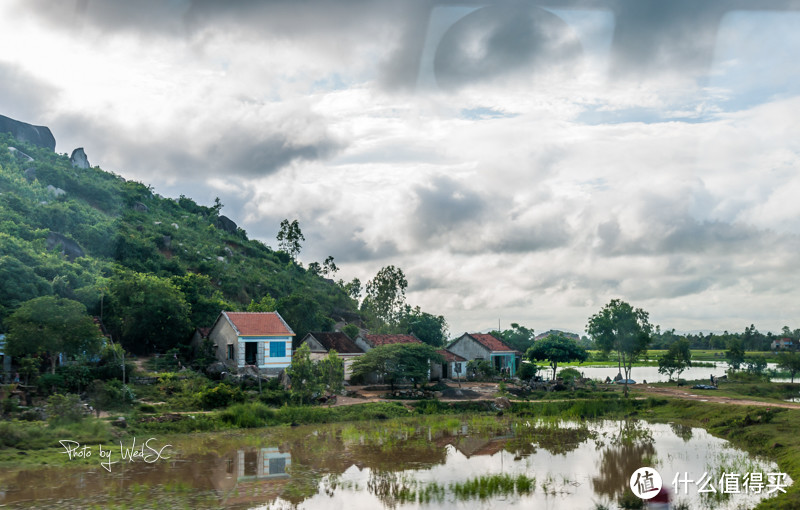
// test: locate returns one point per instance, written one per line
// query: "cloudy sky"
(520, 161)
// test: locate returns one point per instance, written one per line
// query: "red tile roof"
(450, 356)
(259, 323)
(338, 341)
(490, 342)
(376, 340)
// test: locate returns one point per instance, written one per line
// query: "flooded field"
(651, 375)
(431, 462)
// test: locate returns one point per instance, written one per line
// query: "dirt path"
(708, 396)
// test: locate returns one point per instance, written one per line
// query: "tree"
(556, 349)
(789, 361)
(289, 238)
(331, 372)
(303, 375)
(735, 353)
(50, 325)
(431, 329)
(676, 360)
(518, 337)
(329, 268)
(386, 295)
(397, 362)
(266, 304)
(353, 288)
(147, 313)
(621, 328)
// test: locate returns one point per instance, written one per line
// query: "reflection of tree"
(617, 465)
(682, 431)
(390, 488)
(554, 439)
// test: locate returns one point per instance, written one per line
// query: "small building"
(323, 343)
(472, 346)
(259, 339)
(454, 366)
(781, 344)
(369, 342)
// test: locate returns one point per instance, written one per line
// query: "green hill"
(153, 267)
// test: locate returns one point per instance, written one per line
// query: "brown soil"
(708, 396)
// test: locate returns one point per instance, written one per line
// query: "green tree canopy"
(556, 349)
(50, 325)
(398, 362)
(624, 329)
(311, 379)
(789, 361)
(386, 296)
(431, 329)
(289, 238)
(735, 353)
(677, 358)
(147, 313)
(518, 337)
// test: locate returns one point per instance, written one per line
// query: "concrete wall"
(223, 334)
(469, 349)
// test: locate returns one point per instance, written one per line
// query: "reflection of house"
(486, 347)
(323, 343)
(262, 464)
(251, 476)
(261, 339)
(783, 343)
(454, 366)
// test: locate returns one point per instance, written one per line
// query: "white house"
(259, 339)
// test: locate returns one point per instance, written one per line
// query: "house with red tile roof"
(321, 343)
(454, 366)
(472, 346)
(257, 339)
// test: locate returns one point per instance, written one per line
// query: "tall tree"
(147, 313)
(621, 328)
(386, 295)
(518, 337)
(289, 238)
(50, 325)
(431, 329)
(556, 349)
(677, 358)
(735, 353)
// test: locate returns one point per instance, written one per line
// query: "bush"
(569, 374)
(64, 408)
(49, 383)
(220, 395)
(527, 371)
(249, 415)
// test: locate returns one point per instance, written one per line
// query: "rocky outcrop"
(36, 135)
(140, 207)
(79, 159)
(227, 224)
(56, 192)
(69, 248)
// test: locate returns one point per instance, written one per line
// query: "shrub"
(528, 371)
(569, 374)
(49, 383)
(249, 415)
(220, 395)
(64, 408)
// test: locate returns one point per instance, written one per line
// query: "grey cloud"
(503, 39)
(23, 96)
(241, 150)
(444, 206)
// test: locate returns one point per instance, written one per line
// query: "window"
(277, 349)
(230, 351)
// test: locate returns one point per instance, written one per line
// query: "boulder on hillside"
(79, 159)
(227, 224)
(69, 248)
(40, 136)
(140, 207)
(57, 192)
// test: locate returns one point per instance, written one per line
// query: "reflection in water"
(430, 462)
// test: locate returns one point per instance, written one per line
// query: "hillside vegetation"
(154, 268)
